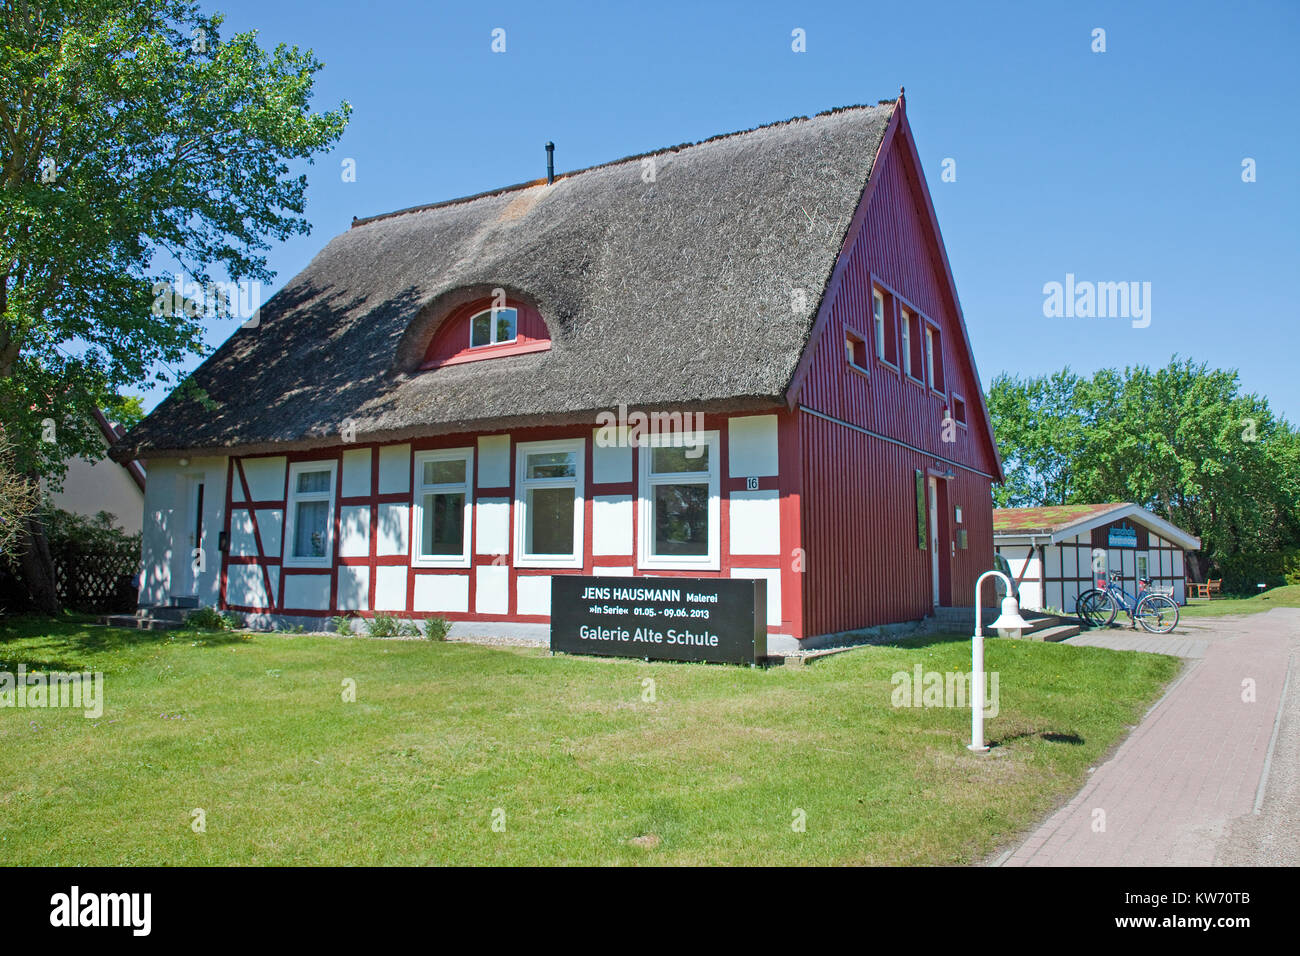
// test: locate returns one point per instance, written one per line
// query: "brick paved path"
(1168, 796)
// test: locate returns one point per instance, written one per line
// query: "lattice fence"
(95, 577)
(96, 580)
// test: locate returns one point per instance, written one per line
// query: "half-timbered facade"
(1058, 552)
(739, 358)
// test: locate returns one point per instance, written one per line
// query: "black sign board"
(721, 620)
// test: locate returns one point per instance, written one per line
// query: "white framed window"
(878, 312)
(906, 349)
(443, 510)
(934, 358)
(929, 355)
(549, 503)
(679, 525)
(493, 327)
(309, 515)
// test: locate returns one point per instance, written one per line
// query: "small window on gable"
(493, 327)
(910, 347)
(855, 350)
(882, 319)
(959, 409)
(934, 358)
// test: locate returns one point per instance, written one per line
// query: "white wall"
(90, 487)
(166, 549)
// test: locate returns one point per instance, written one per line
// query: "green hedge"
(1242, 572)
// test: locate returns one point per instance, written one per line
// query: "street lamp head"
(1009, 622)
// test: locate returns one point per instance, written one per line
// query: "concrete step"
(1059, 632)
(165, 613)
(137, 623)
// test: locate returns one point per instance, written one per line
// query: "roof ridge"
(502, 190)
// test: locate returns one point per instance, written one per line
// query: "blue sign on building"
(1122, 536)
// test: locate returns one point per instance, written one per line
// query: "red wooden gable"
(450, 345)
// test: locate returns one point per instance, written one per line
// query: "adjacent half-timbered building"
(1058, 552)
(743, 358)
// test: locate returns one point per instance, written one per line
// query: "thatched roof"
(672, 293)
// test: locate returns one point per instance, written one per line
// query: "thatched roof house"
(729, 278)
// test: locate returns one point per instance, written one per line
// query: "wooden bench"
(1208, 589)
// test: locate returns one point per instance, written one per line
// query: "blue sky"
(1117, 166)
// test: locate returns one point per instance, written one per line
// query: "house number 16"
(751, 484)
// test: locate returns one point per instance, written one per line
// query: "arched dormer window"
(485, 329)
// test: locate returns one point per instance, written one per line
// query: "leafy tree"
(136, 143)
(18, 500)
(1182, 441)
(1040, 425)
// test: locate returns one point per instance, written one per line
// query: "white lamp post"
(1009, 620)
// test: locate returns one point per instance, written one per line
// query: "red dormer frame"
(450, 344)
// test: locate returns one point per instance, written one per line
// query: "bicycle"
(1098, 607)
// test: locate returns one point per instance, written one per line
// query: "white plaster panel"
(441, 592)
(354, 588)
(773, 577)
(611, 519)
(533, 594)
(611, 463)
(752, 446)
(307, 591)
(756, 522)
(394, 520)
(354, 531)
(394, 469)
(492, 589)
(390, 588)
(265, 477)
(356, 473)
(494, 461)
(493, 526)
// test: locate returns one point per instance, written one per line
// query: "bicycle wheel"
(1095, 608)
(1157, 613)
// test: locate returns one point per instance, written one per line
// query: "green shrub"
(386, 625)
(210, 619)
(341, 623)
(436, 628)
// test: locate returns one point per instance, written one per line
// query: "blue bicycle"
(1098, 607)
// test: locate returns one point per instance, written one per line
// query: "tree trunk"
(38, 567)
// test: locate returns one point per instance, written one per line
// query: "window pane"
(506, 320)
(552, 464)
(444, 524)
(667, 461)
(309, 529)
(313, 481)
(550, 521)
(480, 332)
(444, 472)
(907, 343)
(681, 520)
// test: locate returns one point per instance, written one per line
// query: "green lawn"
(253, 729)
(1287, 596)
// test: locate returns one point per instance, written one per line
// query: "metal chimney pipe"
(550, 163)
